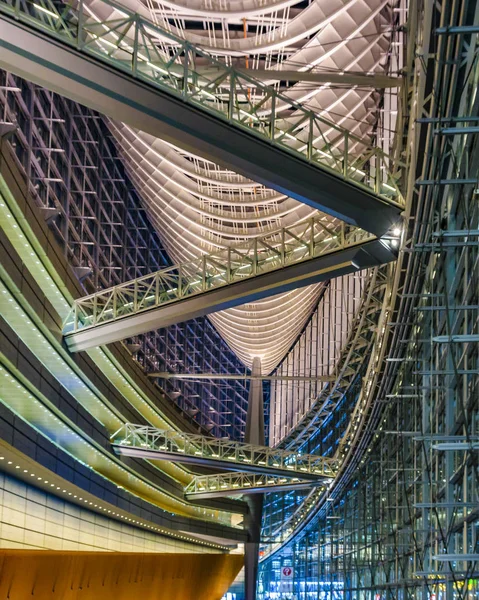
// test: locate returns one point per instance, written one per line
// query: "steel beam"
(70, 72)
(457, 130)
(234, 376)
(377, 81)
(456, 557)
(456, 446)
(459, 29)
(254, 498)
(468, 338)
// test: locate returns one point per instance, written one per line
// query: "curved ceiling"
(198, 207)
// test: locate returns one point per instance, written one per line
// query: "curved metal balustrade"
(357, 345)
(361, 342)
(345, 382)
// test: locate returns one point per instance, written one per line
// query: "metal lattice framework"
(133, 438)
(322, 417)
(198, 206)
(261, 255)
(128, 41)
(347, 368)
(316, 352)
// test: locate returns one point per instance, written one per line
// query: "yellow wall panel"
(51, 575)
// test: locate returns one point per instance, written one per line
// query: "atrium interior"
(239, 299)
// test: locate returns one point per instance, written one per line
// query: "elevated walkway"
(205, 487)
(265, 266)
(347, 369)
(126, 67)
(147, 442)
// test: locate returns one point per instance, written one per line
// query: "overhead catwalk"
(204, 487)
(151, 443)
(202, 210)
(284, 261)
(199, 208)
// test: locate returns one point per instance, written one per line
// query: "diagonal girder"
(142, 441)
(231, 484)
(291, 258)
(117, 65)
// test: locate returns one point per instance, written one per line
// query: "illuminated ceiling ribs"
(341, 36)
(200, 208)
(212, 213)
(221, 224)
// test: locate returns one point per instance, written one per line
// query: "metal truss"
(77, 179)
(149, 442)
(213, 376)
(230, 484)
(322, 427)
(276, 252)
(132, 44)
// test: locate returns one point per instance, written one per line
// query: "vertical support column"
(254, 435)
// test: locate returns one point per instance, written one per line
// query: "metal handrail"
(133, 44)
(260, 255)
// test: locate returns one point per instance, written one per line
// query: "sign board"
(287, 573)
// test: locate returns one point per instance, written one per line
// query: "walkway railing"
(131, 43)
(260, 255)
(239, 455)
